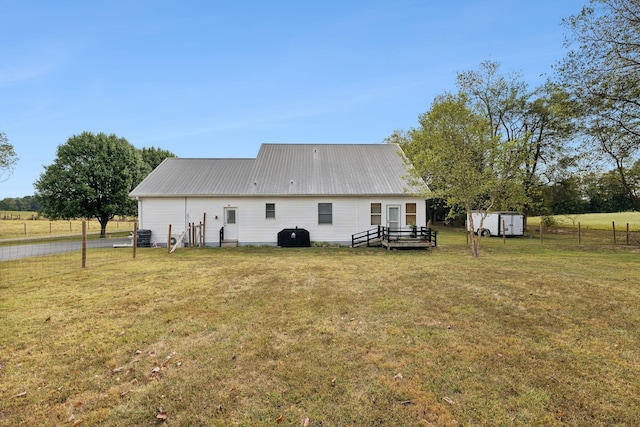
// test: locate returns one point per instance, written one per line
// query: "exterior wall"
(350, 215)
(156, 214)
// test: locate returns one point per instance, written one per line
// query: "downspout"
(186, 215)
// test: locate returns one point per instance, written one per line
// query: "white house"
(331, 190)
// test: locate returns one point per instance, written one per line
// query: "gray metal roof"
(196, 177)
(285, 169)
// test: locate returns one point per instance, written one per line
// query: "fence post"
(169, 241)
(613, 224)
(504, 234)
(135, 239)
(541, 240)
(84, 244)
(627, 234)
(25, 228)
(579, 233)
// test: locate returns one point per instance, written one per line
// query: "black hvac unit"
(294, 237)
(144, 238)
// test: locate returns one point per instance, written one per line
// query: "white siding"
(156, 214)
(350, 215)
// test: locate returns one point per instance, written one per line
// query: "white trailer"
(513, 223)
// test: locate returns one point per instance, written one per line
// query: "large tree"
(464, 162)
(540, 119)
(91, 177)
(602, 74)
(8, 157)
(153, 156)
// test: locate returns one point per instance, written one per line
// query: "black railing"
(221, 235)
(421, 233)
(381, 233)
(367, 237)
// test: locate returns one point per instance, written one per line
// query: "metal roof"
(196, 177)
(285, 169)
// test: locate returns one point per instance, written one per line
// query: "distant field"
(528, 334)
(600, 221)
(18, 215)
(25, 227)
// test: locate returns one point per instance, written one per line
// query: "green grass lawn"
(527, 334)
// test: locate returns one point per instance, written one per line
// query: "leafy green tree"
(620, 148)
(91, 177)
(27, 203)
(8, 158)
(564, 197)
(540, 119)
(154, 156)
(9, 204)
(464, 162)
(602, 74)
(605, 193)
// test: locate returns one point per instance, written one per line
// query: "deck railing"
(367, 237)
(377, 235)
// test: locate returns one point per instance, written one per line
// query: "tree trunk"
(103, 226)
(473, 238)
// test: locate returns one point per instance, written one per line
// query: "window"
(270, 210)
(325, 213)
(410, 214)
(376, 213)
(230, 216)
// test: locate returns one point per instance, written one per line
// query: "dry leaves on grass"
(162, 414)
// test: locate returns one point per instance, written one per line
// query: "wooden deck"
(407, 243)
(410, 238)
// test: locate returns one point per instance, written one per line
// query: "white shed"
(331, 190)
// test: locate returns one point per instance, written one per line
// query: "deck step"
(229, 243)
(371, 242)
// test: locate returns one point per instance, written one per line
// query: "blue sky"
(219, 78)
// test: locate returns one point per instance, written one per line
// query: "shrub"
(548, 221)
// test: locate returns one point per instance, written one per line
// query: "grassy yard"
(528, 334)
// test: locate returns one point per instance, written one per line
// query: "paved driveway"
(39, 249)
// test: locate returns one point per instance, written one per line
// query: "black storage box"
(294, 237)
(144, 238)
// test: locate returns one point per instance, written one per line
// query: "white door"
(508, 224)
(231, 223)
(393, 219)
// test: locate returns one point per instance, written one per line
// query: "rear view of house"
(332, 191)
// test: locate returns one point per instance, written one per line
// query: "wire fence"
(41, 255)
(618, 235)
(18, 227)
(41, 249)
